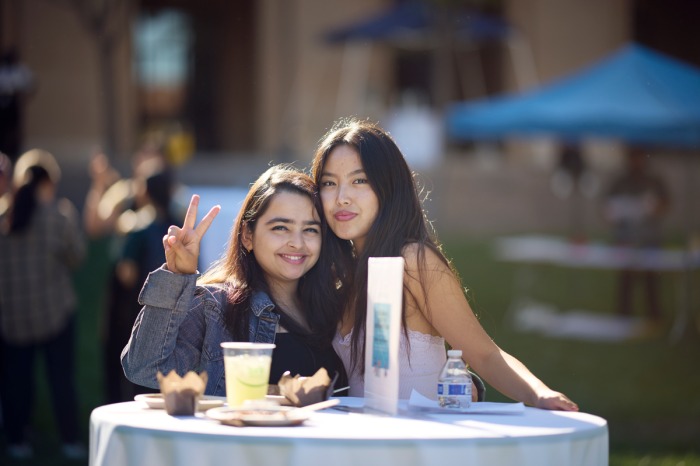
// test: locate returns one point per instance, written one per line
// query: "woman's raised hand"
(182, 244)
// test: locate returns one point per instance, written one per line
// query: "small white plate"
(156, 401)
(274, 416)
(279, 399)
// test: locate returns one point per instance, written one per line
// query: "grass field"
(648, 389)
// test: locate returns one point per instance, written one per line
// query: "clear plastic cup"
(247, 369)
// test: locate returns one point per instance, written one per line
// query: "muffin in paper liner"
(303, 391)
(181, 394)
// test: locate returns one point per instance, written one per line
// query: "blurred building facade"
(254, 76)
(257, 80)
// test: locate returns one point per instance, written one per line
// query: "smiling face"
(349, 202)
(286, 239)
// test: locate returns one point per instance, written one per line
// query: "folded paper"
(383, 331)
(420, 402)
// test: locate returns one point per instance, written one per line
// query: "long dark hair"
(34, 168)
(400, 221)
(240, 273)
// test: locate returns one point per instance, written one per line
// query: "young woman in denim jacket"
(272, 285)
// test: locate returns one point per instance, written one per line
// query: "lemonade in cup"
(247, 369)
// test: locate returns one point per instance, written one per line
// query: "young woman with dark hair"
(371, 203)
(272, 285)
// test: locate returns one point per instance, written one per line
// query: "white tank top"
(420, 371)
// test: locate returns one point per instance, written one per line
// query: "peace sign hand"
(182, 244)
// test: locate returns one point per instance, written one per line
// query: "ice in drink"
(247, 369)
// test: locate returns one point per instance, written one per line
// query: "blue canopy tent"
(409, 20)
(410, 27)
(636, 95)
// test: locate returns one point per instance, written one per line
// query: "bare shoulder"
(417, 255)
(433, 290)
(412, 255)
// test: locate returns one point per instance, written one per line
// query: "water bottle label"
(453, 389)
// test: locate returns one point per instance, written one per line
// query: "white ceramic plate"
(156, 401)
(268, 417)
(279, 399)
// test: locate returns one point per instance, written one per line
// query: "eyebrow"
(290, 221)
(352, 173)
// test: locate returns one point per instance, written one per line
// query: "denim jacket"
(181, 327)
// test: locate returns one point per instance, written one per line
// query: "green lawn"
(647, 389)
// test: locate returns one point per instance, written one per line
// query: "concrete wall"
(562, 35)
(301, 76)
(65, 115)
(472, 196)
(301, 91)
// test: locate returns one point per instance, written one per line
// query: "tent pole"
(523, 60)
(685, 298)
(479, 76)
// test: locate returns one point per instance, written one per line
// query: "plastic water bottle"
(454, 388)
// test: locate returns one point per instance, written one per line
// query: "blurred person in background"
(5, 182)
(5, 196)
(16, 83)
(572, 180)
(5, 176)
(132, 214)
(635, 205)
(111, 195)
(40, 245)
(141, 252)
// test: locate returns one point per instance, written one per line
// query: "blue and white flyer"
(384, 300)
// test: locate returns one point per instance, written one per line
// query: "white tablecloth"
(550, 250)
(595, 255)
(132, 434)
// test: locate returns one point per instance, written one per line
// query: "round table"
(131, 433)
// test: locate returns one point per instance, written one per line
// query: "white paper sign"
(384, 299)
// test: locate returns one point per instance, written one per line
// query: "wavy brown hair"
(240, 273)
(400, 221)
